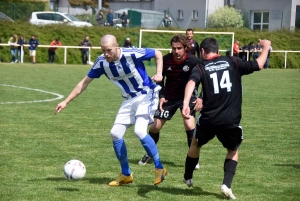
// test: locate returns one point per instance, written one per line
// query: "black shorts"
(230, 138)
(171, 107)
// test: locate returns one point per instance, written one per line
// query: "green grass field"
(35, 143)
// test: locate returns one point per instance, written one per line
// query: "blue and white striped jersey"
(128, 72)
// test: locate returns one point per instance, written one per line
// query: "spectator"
(266, 66)
(167, 22)
(13, 47)
(124, 20)
(194, 46)
(51, 50)
(85, 52)
(236, 48)
(251, 48)
(110, 18)
(127, 43)
(257, 49)
(21, 42)
(33, 44)
(100, 18)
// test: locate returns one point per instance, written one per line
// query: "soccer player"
(194, 46)
(177, 67)
(124, 67)
(220, 77)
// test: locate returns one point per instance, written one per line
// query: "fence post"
(285, 58)
(65, 55)
(22, 54)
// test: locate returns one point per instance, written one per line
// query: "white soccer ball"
(74, 169)
(91, 63)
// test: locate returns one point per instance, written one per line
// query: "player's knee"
(117, 132)
(140, 134)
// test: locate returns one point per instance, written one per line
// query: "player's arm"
(189, 88)
(79, 88)
(265, 45)
(159, 66)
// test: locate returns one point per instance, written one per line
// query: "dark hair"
(179, 38)
(57, 39)
(189, 29)
(209, 45)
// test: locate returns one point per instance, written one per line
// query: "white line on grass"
(34, 101)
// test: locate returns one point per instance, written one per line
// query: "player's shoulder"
(192, 58)
(168, 56)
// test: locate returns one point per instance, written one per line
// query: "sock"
(155, 136)
(121, 154)
(190, 164)
(229, 171)
(189, 135)
(151, 149)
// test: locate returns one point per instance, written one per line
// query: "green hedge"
(281, 40)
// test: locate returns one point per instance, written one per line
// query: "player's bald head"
(108, 39)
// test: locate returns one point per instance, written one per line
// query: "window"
(297, 19)
(180, 14)
(45, 16)
(58, 17)
(260, 20)
(195, 15)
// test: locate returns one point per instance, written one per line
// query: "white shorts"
(32, 52)
(142, 105)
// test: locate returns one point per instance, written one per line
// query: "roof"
(138, 10)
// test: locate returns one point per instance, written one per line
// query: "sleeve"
(144, 53)
(37, 43)
(96, 71)
(196, 75)
(245, 67)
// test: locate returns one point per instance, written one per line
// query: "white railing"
(161, 49)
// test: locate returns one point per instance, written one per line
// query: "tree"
(84, 3)
(225, 17)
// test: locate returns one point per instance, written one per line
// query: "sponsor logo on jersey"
(185, 68)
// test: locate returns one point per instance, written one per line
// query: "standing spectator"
(127, 43)
(85, 51)
(177, 68)
(266, 66)
(100, 18)
(221, 113)
(51, 50)
(110, 18)
(236, 48)
(194, 46)
(33, 44)
(13, 42)
(167, 22)
(21, 42)
(251, 48)
(257, 49)
(124, 20)
(125, 69)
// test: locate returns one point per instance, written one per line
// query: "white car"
(51, 17)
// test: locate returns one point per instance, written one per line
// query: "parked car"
(52, 17)
(5, 17)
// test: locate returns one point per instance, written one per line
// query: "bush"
(225, 17)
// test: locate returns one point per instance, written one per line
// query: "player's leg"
(160, 118)
(33, 56)
(117, 132)
(201, 136)
(231, 140)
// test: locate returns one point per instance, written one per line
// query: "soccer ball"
(74, 169)
(91, 63)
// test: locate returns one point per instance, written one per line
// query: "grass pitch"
(35, 143)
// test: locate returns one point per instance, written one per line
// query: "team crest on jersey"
(185, 68)
(119, 67)
(193, 45)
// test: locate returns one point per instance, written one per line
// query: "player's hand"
(157, 78)
(265, 43)
(185, 112)
(198, 104)
(60, 107)
(161, 102)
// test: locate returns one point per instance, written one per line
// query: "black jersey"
(176, 75)
(194, 48)
(220, 77)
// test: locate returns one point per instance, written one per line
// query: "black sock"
(189, 135)
(190, 164)
(155, 136)
(229, 171)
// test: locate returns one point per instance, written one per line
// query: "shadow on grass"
(67, 189)
(195, 191)
(166, 163)
(289, 165)
(99, 180)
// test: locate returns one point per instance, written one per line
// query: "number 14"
(224, 83)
